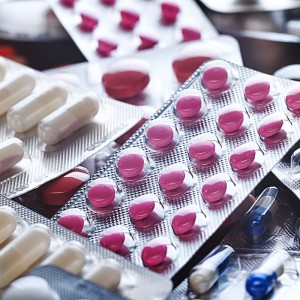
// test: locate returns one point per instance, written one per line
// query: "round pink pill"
(74, 223)
(171, 180)
(141, 209)
(131, 165)
(270, 126)
(201, 150)
(242, 156)
(230, 120)
(214, 189)
(292, 98)
(188, 106)
(257, 90)
(154, 252)
(160, 135)
(101, 194)
(215, 77)
(184, 220)
(113, 241)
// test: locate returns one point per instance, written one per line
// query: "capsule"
(262, 280)
(15, 89)
(31, 110)
(22, 252)
(67, 119)
(257, 219)
(11, 152)
(69, 257)
(8, 223)
(207, 272)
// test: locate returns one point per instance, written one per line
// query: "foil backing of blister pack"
(114, 119)
(243, 185)
(128, 41)
(144, 285)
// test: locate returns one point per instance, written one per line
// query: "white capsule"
(27, 113)
(69, 257)
(8, 223)
(2, 68)
(30, 288)
(106, 274)
(67, 119)
(11, 152)
(15, 89)
(17, 256)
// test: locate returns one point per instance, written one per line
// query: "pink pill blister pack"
(48, 127)
(103, 28)
(171, 185)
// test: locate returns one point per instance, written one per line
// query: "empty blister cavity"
(188, 222)
(146, 211)
(126, 78)
(103, 195)
(169, 11)
(204, 150)
(246, 158)
(89, 18)
(216, 76)
(218, 189)
(161, 135)
(8, 222)
(22, 252)
(118, 239)
(3, 68)
(16, 88)
(129, 15)
(68, 119)
(28, 112)
(175, 180)
(233, 119)
(262, 281)
(259, 90)
(274, 128)
(256, 222)
(133, 164)
(189, 105)
(30, 287)
(207, 273)
(292, 99)
(159, 253)
(77, 221)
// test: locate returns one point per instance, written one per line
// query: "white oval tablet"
(8, 222)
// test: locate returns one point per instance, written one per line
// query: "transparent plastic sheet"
(214, 214)
(46, 162)
(136, 282)
(128, 41)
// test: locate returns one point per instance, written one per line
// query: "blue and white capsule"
(262, 280)
(257, 219)
(207, 272)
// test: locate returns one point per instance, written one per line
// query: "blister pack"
(183, 173)
(29, 241)
(117, 28)
(48, 127)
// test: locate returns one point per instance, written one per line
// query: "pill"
(17, 256)
(190, 33)
(129, 18)
(89, 19)
(8, 223)
(257, 219)
(242, 156)
(295, 162)
(188, 105)
(58, 191)
(68, 3)
(262, 281)
(169, 12)
(205, 275)
(108, 2)
(15, 89)
(106, 45)
(292, 98)
(126, 78)
(214, 188)
(215, 77)
(11, 152)
(257, 88)
(70, 256)
(131, 165)
(107, 273)
(28, 112)
(230, 119)
(148, 40)
(2, 68)
(67, 119)
(158, 253)
(202, 149)
(171, 180)
(270, 125)
(30, 288)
